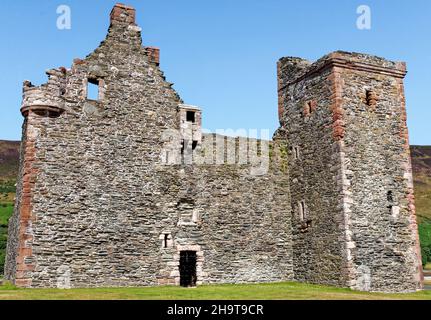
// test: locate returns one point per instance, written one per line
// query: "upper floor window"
(93, 89)
(191, 116)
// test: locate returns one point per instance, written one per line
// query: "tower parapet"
(47, 99)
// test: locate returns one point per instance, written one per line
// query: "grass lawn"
(273, 291)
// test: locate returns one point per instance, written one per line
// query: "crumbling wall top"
(298, 69)
(122, 14)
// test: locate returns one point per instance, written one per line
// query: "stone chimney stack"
(122, 14)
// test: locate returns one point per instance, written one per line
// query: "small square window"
(191, 116)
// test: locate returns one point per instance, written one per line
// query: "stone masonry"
(112, 191)
(353, 213)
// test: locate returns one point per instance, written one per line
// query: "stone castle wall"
(99, 202)
(112, 190)
(345, 123)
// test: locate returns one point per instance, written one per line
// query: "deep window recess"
(194, 145)
(371, 98)
(308, 108)
(93, 89)
(191, 116)
(390, 196)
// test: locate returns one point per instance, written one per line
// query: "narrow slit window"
(390, 196)
(93, 89)
(295, 153)
(165, 241)
(183, 146)
(308, 108)
(191, 116)
(302, 210)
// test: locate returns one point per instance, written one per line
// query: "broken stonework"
(114, 191)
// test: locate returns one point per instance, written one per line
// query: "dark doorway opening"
(188, 268)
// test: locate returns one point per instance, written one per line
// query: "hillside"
(9, 156)
(421, 161)
(421, 156)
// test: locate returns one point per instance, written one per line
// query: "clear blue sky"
(220, 54)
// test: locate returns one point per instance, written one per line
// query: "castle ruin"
(126, 190)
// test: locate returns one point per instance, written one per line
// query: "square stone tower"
(353, 212)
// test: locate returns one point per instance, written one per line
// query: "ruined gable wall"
(101, 201)
(95, 165)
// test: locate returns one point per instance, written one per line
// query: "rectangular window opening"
(191, 116)
(93, 89)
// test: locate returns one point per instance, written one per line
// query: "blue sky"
(220, 54)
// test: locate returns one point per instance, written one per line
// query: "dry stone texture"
(109, 196)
